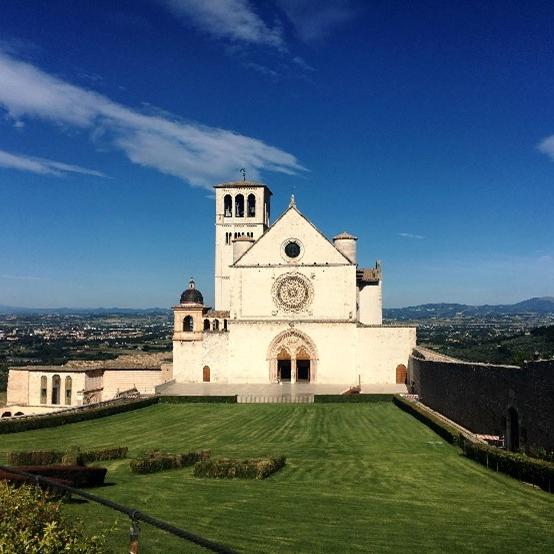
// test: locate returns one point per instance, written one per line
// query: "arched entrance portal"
(292, 358)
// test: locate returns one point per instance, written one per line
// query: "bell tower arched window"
(239, 205)
(251, 204)
(43, 389)
(188, 324)
(56, 384)
(227, 205)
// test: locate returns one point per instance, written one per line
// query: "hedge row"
(447, 432)
(227, 468)
(18, 480)
(339, 398)
(154, 461)
(72, 456)
(517, 465)
(198, 399)
(12, 425)
(522, 467)
(74, 476)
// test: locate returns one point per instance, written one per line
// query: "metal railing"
(134, 515)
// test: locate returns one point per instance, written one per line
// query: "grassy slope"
(359, 477)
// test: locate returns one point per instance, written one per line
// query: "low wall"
(490, 399)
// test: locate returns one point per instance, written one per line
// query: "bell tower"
(241, 209)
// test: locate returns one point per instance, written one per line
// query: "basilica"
(290, 304)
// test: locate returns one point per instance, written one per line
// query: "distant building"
(290, 305)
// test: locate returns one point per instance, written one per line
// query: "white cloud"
(42, 166)
(410, 236)
(313, 20)
(235, 20)
(195, 153)
(547, 146)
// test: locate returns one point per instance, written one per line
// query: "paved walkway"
(284, 392)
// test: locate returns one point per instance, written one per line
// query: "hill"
(539, 306)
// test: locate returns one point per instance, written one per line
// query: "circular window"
(292, 249)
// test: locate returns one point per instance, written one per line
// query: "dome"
(192, 295)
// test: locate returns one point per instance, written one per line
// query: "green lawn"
(359, 477)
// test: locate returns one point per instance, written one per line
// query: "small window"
(43, 389)
(239, 205)
(225, 325)
(292, 249)
(216, 325)
(56, 384)
(188, 324)
(206, 325)
(68, 384)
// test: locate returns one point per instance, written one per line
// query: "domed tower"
(188, 314)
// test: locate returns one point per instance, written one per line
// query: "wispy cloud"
(42, 166)
(22, 277)
(313, 20)
(410, 236)
(196, 153)
(547, 146)
(235, 20)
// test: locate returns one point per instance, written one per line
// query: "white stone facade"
(290, 305)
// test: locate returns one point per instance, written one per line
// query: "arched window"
(188, 324)
(43, 389)
(227, 206)
(225, 325)
(251, 205)
(56, 384)
(239, 205)
(215, 325)
(68, 383)
(206, 325)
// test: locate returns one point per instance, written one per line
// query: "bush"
(198, 399)
(522, 467)
(339, 398)
(227, 468)
(12, 425)
(31, 522)
(154, 461)
(77, 476)
(73, 456)
(447, 432)
(17, 480)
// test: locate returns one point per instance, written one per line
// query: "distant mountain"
(83, 311)
(542, 306)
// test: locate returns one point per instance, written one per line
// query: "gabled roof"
(275, 226)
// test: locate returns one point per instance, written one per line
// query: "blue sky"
(425, 128)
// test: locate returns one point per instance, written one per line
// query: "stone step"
(275, 399)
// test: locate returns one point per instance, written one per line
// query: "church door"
(303, 370)
(401, 374)
(284, 370)
(206, 374)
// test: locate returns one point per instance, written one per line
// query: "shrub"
(72, 456)
(154, 461)
(522, 467)
(77, 476)
(447, 432)
(228, 468)
(12, 425)
(17, 480)
(340, 398)
(31, 522)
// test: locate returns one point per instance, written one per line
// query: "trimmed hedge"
(76, 476)
(447, 432)
(198, 399)
(531, 470)
(517, 465)
(154, 461)
(227, 468)
(72, 456)
(340, 398)
(18, 480)
(62, 418)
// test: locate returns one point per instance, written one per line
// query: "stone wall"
(481, 396)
